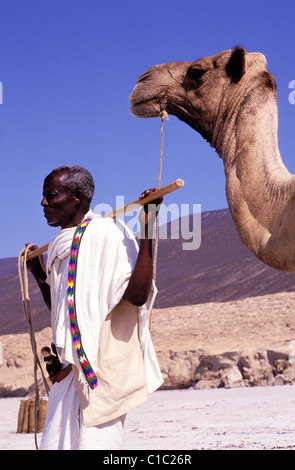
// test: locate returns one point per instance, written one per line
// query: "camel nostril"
(143, 77)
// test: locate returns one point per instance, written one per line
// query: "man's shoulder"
(107, 225)
(112, 228)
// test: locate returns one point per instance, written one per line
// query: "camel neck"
(248, 137)
(228, 109)
(259, 187)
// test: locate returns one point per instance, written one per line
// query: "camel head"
(199, 93)
(230, 99)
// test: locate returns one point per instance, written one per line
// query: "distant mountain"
(222, 269)
(12, 319)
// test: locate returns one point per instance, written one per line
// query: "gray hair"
(76, 177)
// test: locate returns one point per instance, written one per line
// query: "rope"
(23, 278)
(163, 116)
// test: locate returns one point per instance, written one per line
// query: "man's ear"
(236, 66)
(78, 196)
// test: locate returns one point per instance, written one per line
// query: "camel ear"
(236, 65)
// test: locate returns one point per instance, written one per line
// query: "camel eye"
(196, 74)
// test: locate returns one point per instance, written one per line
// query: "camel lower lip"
(146, 109)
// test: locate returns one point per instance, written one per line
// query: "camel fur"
(230, 99)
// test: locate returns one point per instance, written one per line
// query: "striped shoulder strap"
(72, 273)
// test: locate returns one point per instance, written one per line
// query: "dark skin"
(65, 210)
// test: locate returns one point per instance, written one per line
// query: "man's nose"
(44, 202)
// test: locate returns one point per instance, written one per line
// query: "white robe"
(107, 256)
(64, 429)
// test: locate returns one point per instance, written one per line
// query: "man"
(101, 334)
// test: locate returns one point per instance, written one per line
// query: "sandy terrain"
(210, 418)
(181, 335)
(254, 323)
(257, 418)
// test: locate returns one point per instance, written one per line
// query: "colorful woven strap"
(85, 364)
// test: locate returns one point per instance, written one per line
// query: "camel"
(231, 100)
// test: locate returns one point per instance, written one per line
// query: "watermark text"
(292, 93)
(175, 222)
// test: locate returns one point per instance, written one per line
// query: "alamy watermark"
(182, 221)
(292, 93)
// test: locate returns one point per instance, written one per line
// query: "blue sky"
(67, 69)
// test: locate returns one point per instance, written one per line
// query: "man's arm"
(140, 282)
(37, 268)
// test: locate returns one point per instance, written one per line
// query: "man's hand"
(37, 267)
(148, 214)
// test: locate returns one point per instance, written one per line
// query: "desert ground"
(257, 418)
(228, 370)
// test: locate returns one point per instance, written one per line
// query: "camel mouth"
(146, 108)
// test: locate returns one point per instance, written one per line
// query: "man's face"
(60, 207)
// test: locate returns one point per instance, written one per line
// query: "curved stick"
(169, 188)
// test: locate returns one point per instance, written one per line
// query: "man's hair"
(76, 177)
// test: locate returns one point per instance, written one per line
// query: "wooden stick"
(169, 188)
(151, 197)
